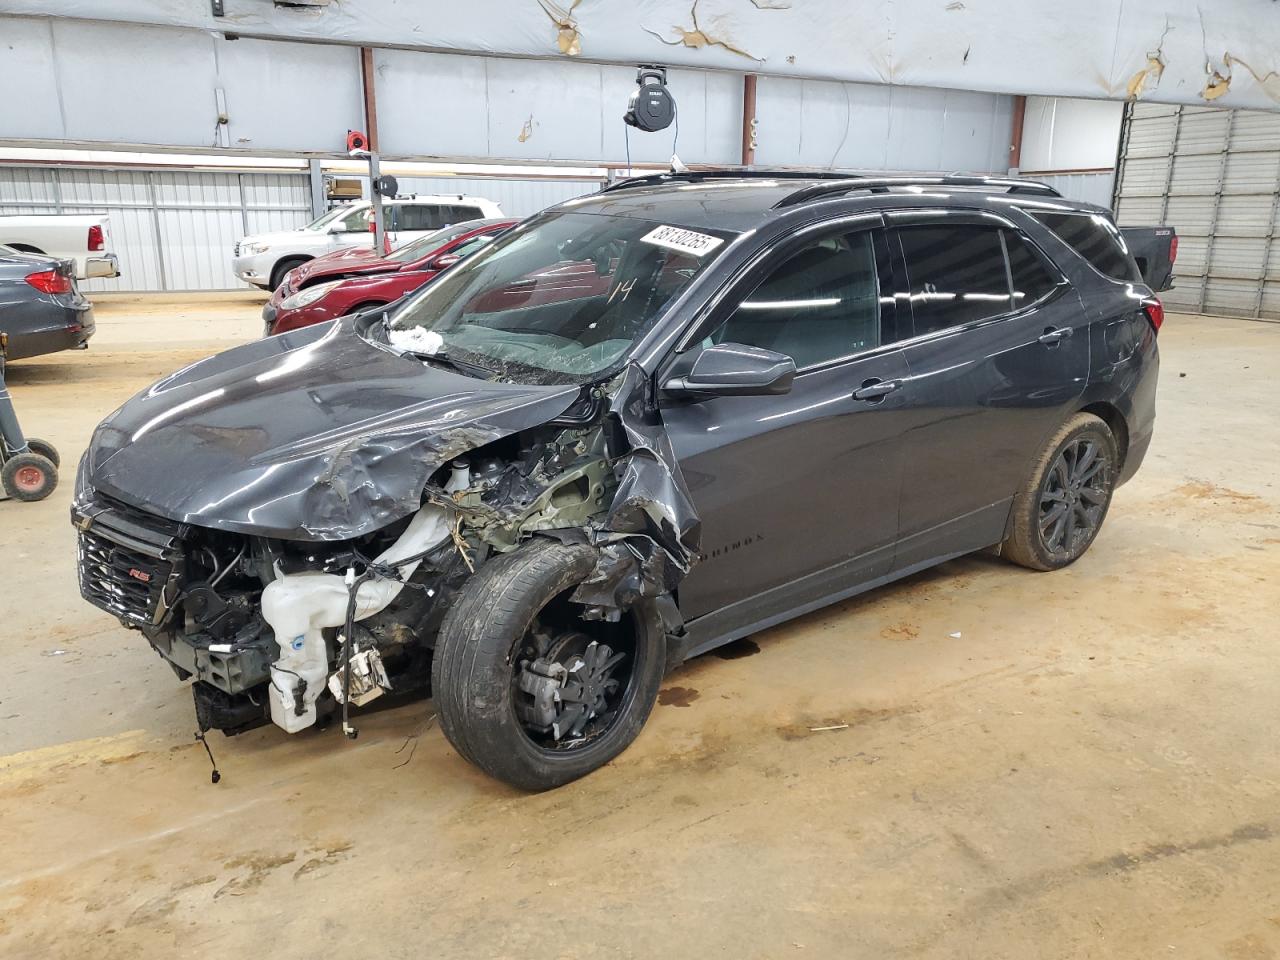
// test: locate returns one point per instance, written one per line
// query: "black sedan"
(41, 308)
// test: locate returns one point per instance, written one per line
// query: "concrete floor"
(1078, 764)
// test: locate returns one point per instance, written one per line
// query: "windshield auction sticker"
(686, 241)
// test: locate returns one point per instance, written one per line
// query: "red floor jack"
(28, 467)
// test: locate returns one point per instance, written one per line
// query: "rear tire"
(29, 477)
(483, 647)
(1061, 506)
(283, 267)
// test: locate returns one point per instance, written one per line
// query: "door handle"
(1053, 336)
(873, 390)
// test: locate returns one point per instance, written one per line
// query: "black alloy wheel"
(1074, 497)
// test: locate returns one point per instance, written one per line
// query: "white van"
(262, 260)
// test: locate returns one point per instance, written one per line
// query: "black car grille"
(129, 561)
(237, 249)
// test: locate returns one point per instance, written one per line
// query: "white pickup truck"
(84, 238)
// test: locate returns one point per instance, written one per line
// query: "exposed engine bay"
(288, 631)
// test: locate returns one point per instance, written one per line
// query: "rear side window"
(956, 275)
(1095, 238)
(1032, 279)
(418, 216)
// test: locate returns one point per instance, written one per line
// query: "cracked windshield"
(560, 301)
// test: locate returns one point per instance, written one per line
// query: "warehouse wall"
(80, 81)
(174, 229)
(1214, 175)
(810, 122)
(1071, 145)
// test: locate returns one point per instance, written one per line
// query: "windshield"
(322, 221)
(423, 245)
(559, 300)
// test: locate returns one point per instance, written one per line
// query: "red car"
(350, 280)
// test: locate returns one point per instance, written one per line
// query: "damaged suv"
(640, 425)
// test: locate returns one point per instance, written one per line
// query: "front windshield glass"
(419, 248)
(322, 221)
(559, 300)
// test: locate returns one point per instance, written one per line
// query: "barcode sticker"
(686, 241)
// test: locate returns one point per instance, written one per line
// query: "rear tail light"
(50, 281)
(1154, 310)
(1173, 249)
(96, 241)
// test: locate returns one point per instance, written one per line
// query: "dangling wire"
(626, 134)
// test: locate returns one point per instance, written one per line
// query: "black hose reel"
(651, 107)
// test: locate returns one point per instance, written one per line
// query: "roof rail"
(699, 176)
(846, 184)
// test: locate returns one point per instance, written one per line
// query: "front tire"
(1061, 506)
(283, 267)
(509, 633)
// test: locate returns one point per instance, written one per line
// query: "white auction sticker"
(686, 241)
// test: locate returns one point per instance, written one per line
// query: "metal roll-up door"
(1214, 175)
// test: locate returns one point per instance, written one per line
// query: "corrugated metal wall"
(1089, 187)
(518, 198)
(172, 230)
(1214, 175)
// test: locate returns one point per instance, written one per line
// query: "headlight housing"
(304, 298)
(253, 248)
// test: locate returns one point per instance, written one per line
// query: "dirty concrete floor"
(1078, 764)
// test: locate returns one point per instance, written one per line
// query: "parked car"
(780, 391)
(41, 308)
(85, 239)
(1155, 250)
(263, 259)
(357, 279)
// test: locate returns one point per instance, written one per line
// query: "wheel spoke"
(1060, 472)
(1069, 529)
(1093, 495)
(1094, 469)
(1084, 460)
(1052, 516)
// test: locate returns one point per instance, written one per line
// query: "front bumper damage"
(346, 562)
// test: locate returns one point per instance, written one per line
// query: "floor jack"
(28, 467)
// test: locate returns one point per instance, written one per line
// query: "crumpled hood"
(343, 262)
(313, 435)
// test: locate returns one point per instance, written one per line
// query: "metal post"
(244, 206)
(749, 119)
(57, 189)
(318, 202)
(1217, 202)
(1266, 247)
(1122, 156)
(1168, 173)
(155, 220)
(1017, 124)
(379, 224)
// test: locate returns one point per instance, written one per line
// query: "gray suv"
(638, 426)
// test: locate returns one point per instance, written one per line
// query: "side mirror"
(444, 261)
(730, 370)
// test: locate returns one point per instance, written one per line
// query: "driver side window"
(357, 221)
(822, 303)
